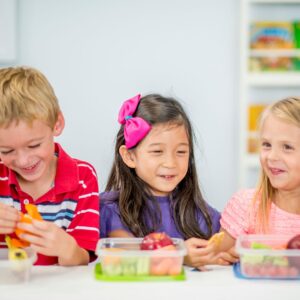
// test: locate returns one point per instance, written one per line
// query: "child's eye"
(182, 152)
(265, 145)
(156, 151)
(34, 146)
(6, 152)
(287, 147)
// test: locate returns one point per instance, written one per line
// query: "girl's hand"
(200, 253)
(9, 217)
(48, 239)
(226, 258)
(120, 233)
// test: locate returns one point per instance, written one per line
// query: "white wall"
(7, 31)
(98, 53)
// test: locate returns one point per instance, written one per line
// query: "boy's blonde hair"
(26, 95)
(288, 110)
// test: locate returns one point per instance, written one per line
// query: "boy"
(35, 169)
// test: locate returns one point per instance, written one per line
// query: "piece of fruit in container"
(156, 240)
(294, 243)
(162, 265)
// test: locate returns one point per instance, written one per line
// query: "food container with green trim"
(267, 256)
(121, 259)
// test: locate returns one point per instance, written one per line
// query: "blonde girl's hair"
(287, 110)
(26, 95)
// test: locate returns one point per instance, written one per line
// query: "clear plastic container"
(122, 259)
(16, 271)
(266, 256)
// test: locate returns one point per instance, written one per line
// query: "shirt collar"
(66, 178)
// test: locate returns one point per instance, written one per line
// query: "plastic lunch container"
(266, 256)
(122, 260)
(16, 271)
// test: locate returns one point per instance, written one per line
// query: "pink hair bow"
(135, 128)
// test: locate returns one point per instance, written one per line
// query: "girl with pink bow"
(153, 184)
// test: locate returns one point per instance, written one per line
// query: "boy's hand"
(49, 239)
(9, 217)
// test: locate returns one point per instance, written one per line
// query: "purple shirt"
(110, 216)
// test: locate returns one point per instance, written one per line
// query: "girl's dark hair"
(135, 205)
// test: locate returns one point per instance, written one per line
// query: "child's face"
(280, 153)
(29, 150)
(162, 158)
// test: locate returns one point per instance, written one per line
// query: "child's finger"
(41, 225)
(28, 227)
(233, 252)
(9, 213)
(225, 256)
(222, 262)
(195, 242)
(6, 229)
(208, 250)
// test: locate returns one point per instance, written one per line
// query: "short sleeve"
(84, 226)
(215, 219)
(109, 217)
(235, 218)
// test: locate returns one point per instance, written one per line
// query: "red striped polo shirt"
(72, 203)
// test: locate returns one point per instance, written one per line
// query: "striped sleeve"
(235, 217)
(84, 226)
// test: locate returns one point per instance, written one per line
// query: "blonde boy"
(35, 169)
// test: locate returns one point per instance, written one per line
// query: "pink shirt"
(239, 217)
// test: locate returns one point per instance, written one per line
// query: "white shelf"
(290, 79)
(262, 86)
(252, 161)
(275, 1)
(274, 53)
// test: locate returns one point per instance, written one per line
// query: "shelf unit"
(261, 86)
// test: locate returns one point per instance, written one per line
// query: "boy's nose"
(21, 160)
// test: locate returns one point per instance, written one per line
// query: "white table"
(53, 282)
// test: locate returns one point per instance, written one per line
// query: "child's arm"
(227, 243)
(120, 233)
(49, 239)
(9, 216)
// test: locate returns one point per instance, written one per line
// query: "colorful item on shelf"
(254, 113)
(273, 63)
(271, 35)
(296, 26)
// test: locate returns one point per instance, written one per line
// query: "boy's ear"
(59, 125)
(127, 156)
